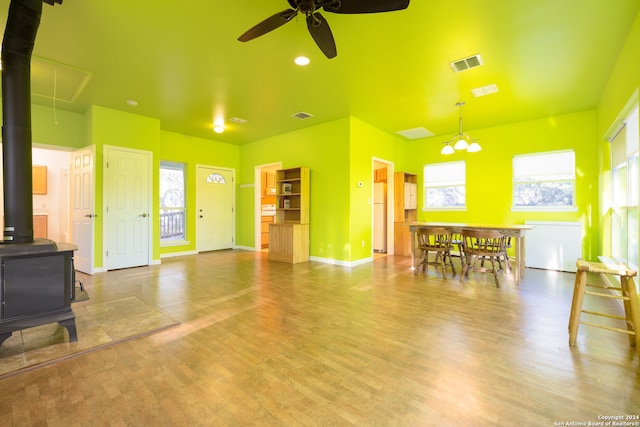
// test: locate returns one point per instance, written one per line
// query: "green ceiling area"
(183, 64)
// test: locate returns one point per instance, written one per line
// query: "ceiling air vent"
(302, 115)
(484, 90)
(415, 133)
(466, 63)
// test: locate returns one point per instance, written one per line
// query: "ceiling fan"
(317, 25)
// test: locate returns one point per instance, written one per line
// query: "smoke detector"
(466, 63)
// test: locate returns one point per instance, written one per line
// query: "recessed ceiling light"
(302, 61)
(218, 125)
(132, 103)
(237, 120)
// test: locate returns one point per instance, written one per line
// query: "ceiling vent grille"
(415, 133)
(484, 90)
(466, 63)
(302, 115)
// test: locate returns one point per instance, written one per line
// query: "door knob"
(91, 215)
(144, 215)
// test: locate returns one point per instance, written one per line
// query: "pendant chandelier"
(460, 141)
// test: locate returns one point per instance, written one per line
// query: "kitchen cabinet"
(40, 226)
(289, 234)
(405, 210)
(268, 182)
(380, 175)
(39, 179)
(264, 230)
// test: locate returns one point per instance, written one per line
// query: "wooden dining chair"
(482, 246)
(436, 240)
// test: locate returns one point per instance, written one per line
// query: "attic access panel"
(53, 80)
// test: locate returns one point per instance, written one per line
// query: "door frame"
(233, 202)
(257, 197)
(390, 197)
(105, 202)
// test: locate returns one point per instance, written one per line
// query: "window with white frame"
(625, 191)
(544, 181)
(445, 185)
(172, 202)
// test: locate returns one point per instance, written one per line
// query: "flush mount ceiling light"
(460, 141)
(302, 61)
(218, 126)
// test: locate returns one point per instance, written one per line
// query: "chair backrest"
(483, 242)
(434, 238)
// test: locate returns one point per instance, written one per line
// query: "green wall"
(489, 172)
(340, 155)
(324, 149)
(367, 143)
(192, 151)
(621, 86)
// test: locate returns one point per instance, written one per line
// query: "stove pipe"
(17, 46)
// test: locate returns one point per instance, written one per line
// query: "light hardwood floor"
(264, 343)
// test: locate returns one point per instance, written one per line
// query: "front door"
(127, 207)
(82, 208)
(215, 210)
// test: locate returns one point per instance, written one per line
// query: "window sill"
(445, 208)
(170, 243)
(544, 209)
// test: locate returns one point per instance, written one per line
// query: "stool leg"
(631, 309)
(576, 305)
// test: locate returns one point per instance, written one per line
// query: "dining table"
(515, 231)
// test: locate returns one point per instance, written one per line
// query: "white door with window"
(127, 207)
(82, 207)
(215, 214)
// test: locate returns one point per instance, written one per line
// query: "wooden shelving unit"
(289, 234)
(405, 210)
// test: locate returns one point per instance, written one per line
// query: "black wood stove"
(37, 277)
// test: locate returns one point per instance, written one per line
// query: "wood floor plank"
(311, 344)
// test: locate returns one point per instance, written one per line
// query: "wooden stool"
(626, 292)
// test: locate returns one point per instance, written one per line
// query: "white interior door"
(127, 208)
(82, 207)
(215, 208)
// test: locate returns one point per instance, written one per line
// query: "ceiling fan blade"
(321, 33)
(268, 24)
(365, 6)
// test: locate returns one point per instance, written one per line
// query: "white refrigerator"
(380, 217)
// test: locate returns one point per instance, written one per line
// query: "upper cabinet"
(39, 177)
(406, 197)
(268, 184)
(380, 175)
